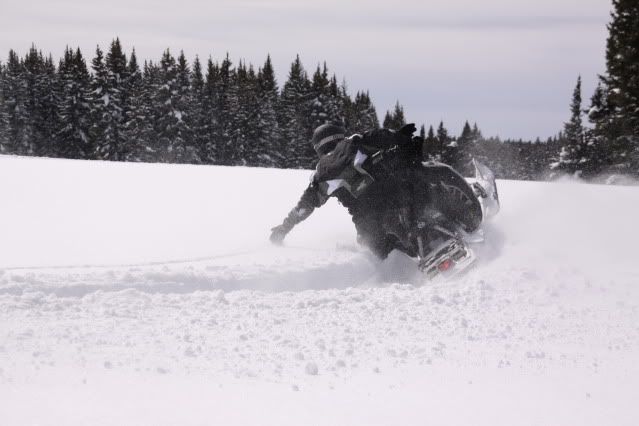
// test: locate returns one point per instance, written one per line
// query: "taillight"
(445, 265)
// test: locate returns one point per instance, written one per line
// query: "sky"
(508, 65)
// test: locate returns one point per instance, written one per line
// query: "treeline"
(169, 111)
(218, 113)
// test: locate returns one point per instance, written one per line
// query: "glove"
(277, 234)
(408, 129)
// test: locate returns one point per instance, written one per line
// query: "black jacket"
(360, 173)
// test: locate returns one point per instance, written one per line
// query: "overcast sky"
(509, 65)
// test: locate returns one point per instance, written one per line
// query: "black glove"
(277, 234)
(408, 129)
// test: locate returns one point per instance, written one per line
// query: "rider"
(361, 172)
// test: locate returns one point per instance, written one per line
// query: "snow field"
(146, 294)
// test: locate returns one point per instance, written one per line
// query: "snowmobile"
(441, 220)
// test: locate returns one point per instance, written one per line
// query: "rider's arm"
(314, 196)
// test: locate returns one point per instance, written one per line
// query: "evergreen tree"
(183, 110)
(101, 130)
(171, 128)
(267, 138)
(395, 120)
(574, 157)
(618, 122)
(323, 104)
(292, 115)
(447, 146)
(226, 99)
(243, 107)
(118, 103)
(364, 113)
(138, 116)
(46, 115)
(108, 104)
(33, 70)
(75, 115)
(211, 127)
(622, 63)
(464, 151)
(476, 135)
(4, 117)
(431, 149)
(599, 115)
(15, 99)
(198, 111)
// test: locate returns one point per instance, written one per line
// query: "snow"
(149, 294)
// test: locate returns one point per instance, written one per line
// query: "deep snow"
(149, 294)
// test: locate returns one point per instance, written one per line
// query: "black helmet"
(326, 136)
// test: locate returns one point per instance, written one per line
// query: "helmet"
(326, 136)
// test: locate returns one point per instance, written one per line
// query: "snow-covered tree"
(14, 91)
(575, 156)
(267, 146)
(4, 117)
(292, 116)
(139, 114)
(211, 150)
(72, 138)
(323, 102)
(365, 114)
(107, 130)
(615, 109)
(170, 101)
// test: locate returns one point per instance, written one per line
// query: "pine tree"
(46, 116)
(432, 149)
(365, 116)
(574, 157)
(15, 99)
(464, 151)
(620, 129)
(226, 99)
(138, 116)
(118, 103)
(242, 106)
(447, 146)
(4, 117)
(185, 149)
(109, 104)
(395, 120)
(267, 142)
(75, 115)
(292, 115)
(476, 135)
(211, 151)
(102, 130)
(599, 116)
(323, 103)
(171, 127)
(198, 111)
(622, 63)
(33, 66)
